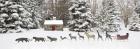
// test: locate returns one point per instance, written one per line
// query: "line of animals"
(107, 36)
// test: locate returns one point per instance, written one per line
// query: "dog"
(22, 40)
(72, 37)
(90, 36)
(52, 38)
(80, 35)
(62, 38)
(39, 39)
(122, 37)
(108, 36)
(99, 36)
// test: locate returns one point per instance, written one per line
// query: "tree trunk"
(126, 21)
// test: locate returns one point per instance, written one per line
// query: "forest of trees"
(103, 13)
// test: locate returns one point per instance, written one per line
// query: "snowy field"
(7, 41)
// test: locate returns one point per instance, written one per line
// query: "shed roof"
(49, 22)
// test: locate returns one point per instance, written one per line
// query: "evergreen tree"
(81, 17)
(35, 7)
(14, 16)
(109, 18)
(137, 18)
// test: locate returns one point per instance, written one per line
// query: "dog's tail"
(61, 37)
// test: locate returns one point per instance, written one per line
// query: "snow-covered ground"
(7, 41)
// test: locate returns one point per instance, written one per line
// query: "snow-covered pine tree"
(14, 16)
(81, 17)
(135, 20)
(109, 17)
(137, 10)
(35, 7)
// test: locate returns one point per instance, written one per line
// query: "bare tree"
(94, 6)
(127, 9)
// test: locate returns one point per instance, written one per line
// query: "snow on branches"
(81, 17)
(13, 16)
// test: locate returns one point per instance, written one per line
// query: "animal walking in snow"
(72, 37)
(39, 39)
(22, 40)
(52, 38)
(82, 37)
(62, 38)
(89, 36)
(122, 37)
(99, 36)
(108, 36)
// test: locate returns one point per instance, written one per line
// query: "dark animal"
(22, 39)
(39, 39)
(89, 36)
(99, 36)
(108, 36)
(52, 38)
(80, 35)
(62, 38)
(122, 37)
(72, 37)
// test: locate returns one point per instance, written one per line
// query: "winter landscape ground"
(7, 41)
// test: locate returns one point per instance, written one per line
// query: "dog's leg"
(88, 37)
(26, 41)
(51, 40)
(22, 40)
(44, 40)
(38, 40)
(71, 38)
(110, 38)
(83, 38)
(75, 38)
(93, 36)
(98, 37)
(106, 38)
(18, 41)
(101, 38)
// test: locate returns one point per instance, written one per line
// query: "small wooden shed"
(53, 25)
